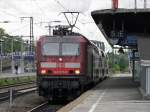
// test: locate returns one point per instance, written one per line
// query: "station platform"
(11, 75)
(115, 94)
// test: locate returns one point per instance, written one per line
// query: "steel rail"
(18, 84)
(17, 93)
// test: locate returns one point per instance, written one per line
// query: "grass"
(16, 80)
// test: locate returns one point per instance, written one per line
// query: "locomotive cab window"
(70, 49)
(50, 49)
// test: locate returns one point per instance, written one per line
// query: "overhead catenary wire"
(36, 2)
(13, 6)
(66, 10)
(38, 6)
(40, 27)
(8, 13)
(62, 5)
(18, 29)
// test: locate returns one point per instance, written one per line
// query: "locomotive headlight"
(43, 71)
(77, 72)
(60, 59)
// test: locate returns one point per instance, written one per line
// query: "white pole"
(1, 56)
(12, 55)
(135, 4)
(11, 97)
(22, 58)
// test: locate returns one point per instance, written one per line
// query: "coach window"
(71, 49)
(50, 49)
(102, 54)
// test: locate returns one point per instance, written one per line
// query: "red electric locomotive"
(66, 65)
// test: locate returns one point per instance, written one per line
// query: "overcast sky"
(49, 10)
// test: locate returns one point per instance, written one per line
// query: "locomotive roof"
(79, 38)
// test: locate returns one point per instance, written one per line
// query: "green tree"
(123, 63)
(116, 68)
(7, 42)
(118, 62)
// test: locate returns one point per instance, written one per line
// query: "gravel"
(23, 103)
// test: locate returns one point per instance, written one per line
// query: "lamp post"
(1, 69)
(12, 54)
(31, 32)
(22, 57)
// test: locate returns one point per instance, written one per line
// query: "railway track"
(6, 95)
(46, 107)
(52, 106)
(18, 84)
(16, 87)
(18, 90)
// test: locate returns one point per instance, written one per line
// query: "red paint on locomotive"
(65, 75)
(59, 68)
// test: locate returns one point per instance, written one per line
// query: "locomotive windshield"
(70, 49)
(58, 49)
(50, 49)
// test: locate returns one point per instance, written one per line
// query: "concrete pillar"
(133, 65)
(145, 77)
(144, 51)
(148, 80)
